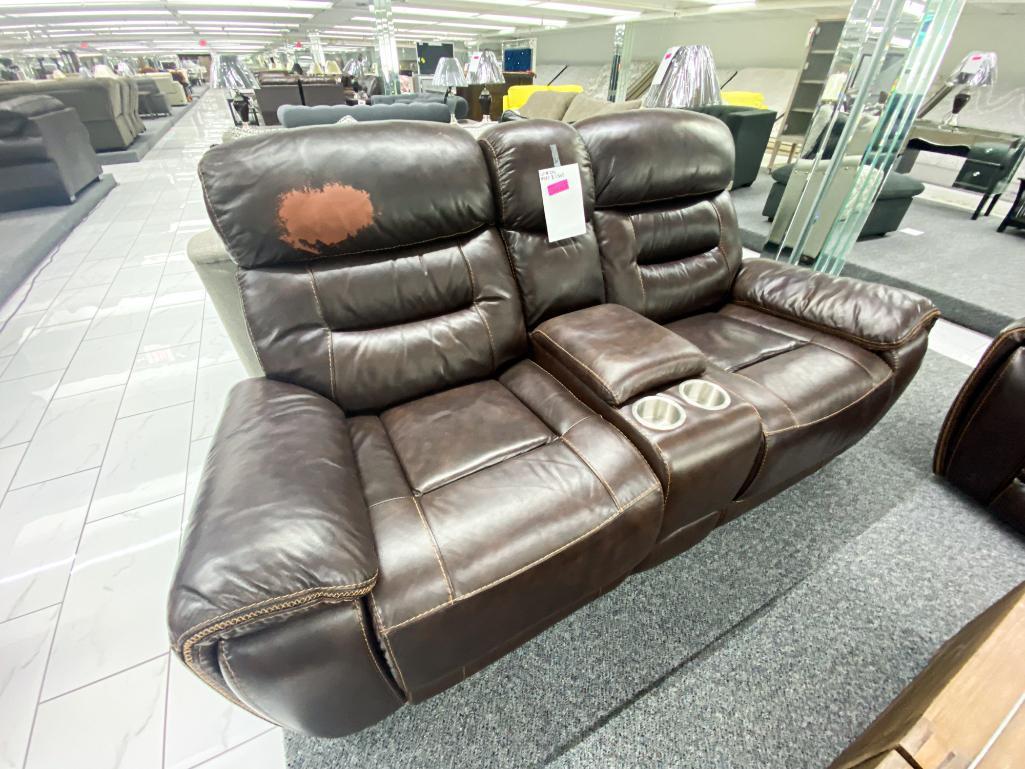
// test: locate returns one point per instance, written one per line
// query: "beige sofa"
(170, 88)
(567, 107)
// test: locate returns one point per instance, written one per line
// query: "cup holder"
(704, 394)
(657, 412)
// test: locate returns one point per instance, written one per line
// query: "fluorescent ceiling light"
(531, 21)
(410, 10)
(507, 3)
(463, 25)
(229, 12)
(589, 10)
(282, 4)
(51, 14)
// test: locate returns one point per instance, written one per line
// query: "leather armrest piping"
(238, 617)
(868, 344)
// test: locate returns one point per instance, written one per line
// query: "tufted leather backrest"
(370, 268)
(554, 278)
(666, 229)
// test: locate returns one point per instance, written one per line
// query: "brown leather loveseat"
(418, 486)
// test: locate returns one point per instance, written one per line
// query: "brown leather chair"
(806, 363)
(407, 496)
(981, 448)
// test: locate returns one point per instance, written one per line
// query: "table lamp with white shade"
(449, 74)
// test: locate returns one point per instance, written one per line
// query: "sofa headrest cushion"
(284, 197)
(296, 115)
(16, 112)
(515, 152)
(649, 155)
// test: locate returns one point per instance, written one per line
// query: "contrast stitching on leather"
(969, 385)
(532, 564)
(213, 215)
(718, 246)
(579, 362)
(356, 588)
(867, 343)
(373, 657)
(842, 354)
(786, 405)
(582, 419)
(648, 201)
(626, 441)
(251, 612)
(594, 471)
(327, 330)
(434, 545)
(245, 317)
(390, 499)
(978, 407)
(888, 380)
(476, 306)
(637, 264)
(382, 631)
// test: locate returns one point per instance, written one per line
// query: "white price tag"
(563, 200)
(663, 66)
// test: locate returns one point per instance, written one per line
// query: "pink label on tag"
(559, 186)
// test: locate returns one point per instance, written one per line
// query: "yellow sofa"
(518, 94)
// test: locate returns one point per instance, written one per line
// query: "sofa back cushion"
(362, 277)
(584, 106)
(554, 278)
(666, 229)
(296, 116)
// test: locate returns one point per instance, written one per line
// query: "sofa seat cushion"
(896, 185)
(533, 506)
(815, 394)
(444, 437)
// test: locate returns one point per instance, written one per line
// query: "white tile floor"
(113, 371)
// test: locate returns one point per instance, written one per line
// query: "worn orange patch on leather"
(316, 219)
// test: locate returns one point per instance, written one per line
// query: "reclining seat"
(809, 362)
(403, 499)
(822, 359)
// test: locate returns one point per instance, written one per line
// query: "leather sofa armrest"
(616, 352)
(279, 525)
(872, 315)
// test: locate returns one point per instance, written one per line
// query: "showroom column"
(317, 49)
(888, 56)
(622, 52)
(387, 50)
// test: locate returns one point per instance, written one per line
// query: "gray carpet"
(29, 235)
(770, 644)
(974, 274)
